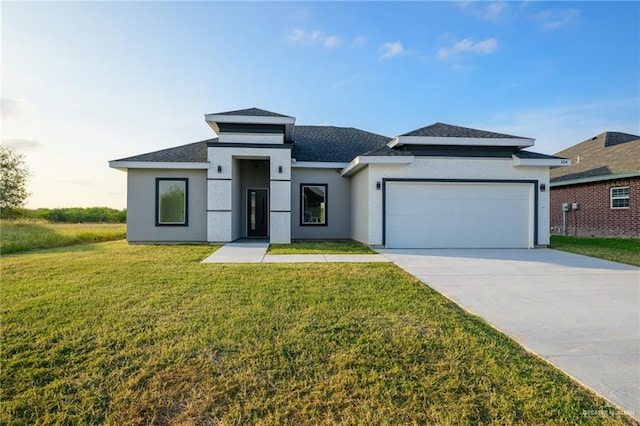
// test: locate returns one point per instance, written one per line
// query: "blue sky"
(84, 83)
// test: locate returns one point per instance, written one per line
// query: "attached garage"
(459, 214)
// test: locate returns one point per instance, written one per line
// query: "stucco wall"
(226, 215)
(360, 206)
(595, 217)
(237, 223)
(454, 168)
(141, 204)
(338, 204)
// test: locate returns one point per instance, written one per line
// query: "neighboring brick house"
(604, 180)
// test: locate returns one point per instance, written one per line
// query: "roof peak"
(252, 112)
(440, 129)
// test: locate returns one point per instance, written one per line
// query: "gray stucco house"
(440, 186)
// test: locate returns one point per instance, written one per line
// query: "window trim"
(326, 205)
(625, 197)
(186, 201)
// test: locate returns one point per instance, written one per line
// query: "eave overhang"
(213, 120)
(125, 165)
(590, 179)
(363, 161)
(431, 140)
(540, 162)
(317, 164)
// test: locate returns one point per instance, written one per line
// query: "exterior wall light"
(219, 168)
(378, 185)
(279, 169)
(543, 187)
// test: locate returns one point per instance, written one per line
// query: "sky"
(88, 82)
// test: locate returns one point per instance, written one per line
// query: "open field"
(622, 250)
(118, 334)
(320, 247)
(23, 235)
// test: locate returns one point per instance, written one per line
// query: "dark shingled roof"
(609, 153)
(321, 144)
(253, 112)
(191, 153)
(616, 138)
(443, 130)
(385, 151)
(339, 144)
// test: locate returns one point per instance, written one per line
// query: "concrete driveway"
(580, 314)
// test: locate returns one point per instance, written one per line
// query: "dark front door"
(257, 212)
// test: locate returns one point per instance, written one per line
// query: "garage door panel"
(457, 215)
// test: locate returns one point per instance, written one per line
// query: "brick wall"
(596, 218)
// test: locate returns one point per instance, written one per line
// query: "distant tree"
(14, 175)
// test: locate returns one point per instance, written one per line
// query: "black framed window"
(171, 201)
(313, 204)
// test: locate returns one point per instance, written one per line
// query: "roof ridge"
(252, 111)
(439, 129)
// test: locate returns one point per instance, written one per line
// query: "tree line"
(14, 175)
(69, 214)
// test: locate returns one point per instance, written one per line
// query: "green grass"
(117, 334)
(23, 235)
(320, 247)
(623, 250)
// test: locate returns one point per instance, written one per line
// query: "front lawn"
(118, 334)
(622, 250)
(24, 235)
(320, 247)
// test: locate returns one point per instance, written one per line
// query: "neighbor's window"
(171, 201)
(620, 197)
(314, 204)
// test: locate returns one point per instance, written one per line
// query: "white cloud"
(331, 42)
(483, 47)
(20, 144)
(553, 19)
(301, 36)
(495, 10)
(389, 50)
(16, 107)
(490, 11)
(359, 41)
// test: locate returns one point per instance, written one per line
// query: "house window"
(620, 198)
(314, 204)
(171, 201)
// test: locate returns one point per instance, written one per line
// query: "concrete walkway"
(256, 252)
(579, 313)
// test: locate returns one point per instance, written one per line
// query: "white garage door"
(458, 215)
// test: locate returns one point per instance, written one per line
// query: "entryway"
(257, 212)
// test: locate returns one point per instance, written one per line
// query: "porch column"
(219, 196)
(280, 203)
